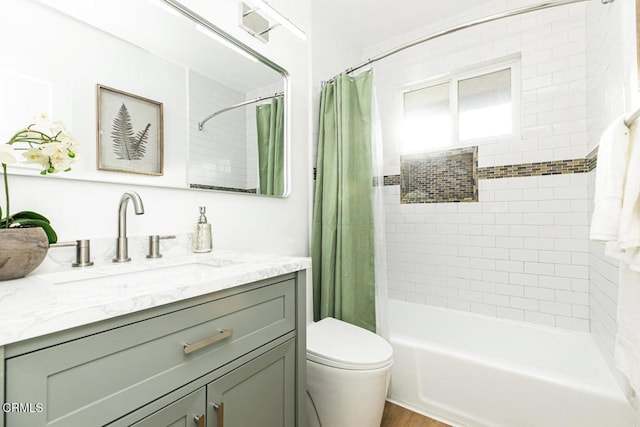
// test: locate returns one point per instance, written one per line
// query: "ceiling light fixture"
(262, 6)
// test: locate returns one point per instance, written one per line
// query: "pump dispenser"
(202, 234)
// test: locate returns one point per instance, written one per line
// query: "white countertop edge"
(32, 307)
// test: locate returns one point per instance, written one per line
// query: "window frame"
(452, 78)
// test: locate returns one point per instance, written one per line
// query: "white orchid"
(35, 155)
(57, 155)
(48, 144)
(7, 154)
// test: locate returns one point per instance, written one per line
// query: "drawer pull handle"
(219, 407)
(200, 420)
(224, 333)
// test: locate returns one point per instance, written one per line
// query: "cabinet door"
(259, 393)
(186, 412)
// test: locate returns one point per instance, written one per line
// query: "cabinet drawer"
(87, 381)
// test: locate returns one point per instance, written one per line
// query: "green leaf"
(28, 222)
(30, 215)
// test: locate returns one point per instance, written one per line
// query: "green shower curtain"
(270, 122)
(342, 242)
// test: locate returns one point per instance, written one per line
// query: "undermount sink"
(195, 272)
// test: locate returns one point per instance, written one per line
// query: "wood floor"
(397, 416)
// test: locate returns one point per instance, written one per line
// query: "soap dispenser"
(202, 234)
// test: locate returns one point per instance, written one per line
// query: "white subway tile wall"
(612, 80)
(489, 257)
(551, 45)
(219, 152)
(521, 251)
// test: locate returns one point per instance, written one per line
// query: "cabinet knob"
(200, 420)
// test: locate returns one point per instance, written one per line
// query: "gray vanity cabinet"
(241, 349)
(186, 412)
(260, 393)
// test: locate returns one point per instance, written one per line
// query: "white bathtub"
(477, 371)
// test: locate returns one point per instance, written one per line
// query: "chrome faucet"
(122, 247)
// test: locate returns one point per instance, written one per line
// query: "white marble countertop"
(56, 297)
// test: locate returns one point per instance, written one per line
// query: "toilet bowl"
(348, 371)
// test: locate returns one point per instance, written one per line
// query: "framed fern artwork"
(129, 133)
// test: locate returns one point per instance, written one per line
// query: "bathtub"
(478, 371)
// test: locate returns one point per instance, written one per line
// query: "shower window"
(473, 105)
(427, 117)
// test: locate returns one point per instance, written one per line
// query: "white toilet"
(348, 371)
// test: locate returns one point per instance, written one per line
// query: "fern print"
(126, 145)
(140, 141)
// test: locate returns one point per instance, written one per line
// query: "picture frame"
(129, 132)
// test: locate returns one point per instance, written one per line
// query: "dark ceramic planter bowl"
(21, 251)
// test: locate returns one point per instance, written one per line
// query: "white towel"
(613, 157)
(627, 348)
(626, 247)
(629, 232)
(616, 220)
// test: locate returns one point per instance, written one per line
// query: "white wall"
(332, 54)
(81, 209)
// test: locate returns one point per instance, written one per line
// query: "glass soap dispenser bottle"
(202, 234)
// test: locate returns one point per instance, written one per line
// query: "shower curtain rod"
(514, 12)
(242, 104)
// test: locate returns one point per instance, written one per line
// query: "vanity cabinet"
(236, 356)
(260, 393)
(187, 412)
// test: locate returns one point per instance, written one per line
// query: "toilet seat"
(338, 344)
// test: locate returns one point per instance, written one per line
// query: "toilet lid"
(339, 344)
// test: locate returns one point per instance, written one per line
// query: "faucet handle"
(83, 252)
(154, 245)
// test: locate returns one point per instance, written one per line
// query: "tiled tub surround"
(218, 152)
(520, 252)
(54, 297)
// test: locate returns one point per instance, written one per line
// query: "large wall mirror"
(221, 106)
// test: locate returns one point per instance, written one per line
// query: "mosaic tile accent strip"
(443, 176)
(215, 187)
(392, 180)
(592, 161)
(526, 169)
(557, 167)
